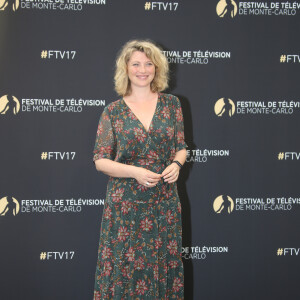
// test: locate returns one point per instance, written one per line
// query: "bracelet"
(177, 162)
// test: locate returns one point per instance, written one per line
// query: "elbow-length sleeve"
(179, 127)
(105, 145)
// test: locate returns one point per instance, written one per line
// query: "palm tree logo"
(9, 5)
(224, 107)
(223, 204)
(226, 9)
(9, 206)
(9, 105)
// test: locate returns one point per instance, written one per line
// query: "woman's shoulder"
(114, 107)
(169, 99)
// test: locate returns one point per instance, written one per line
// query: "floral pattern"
(139, 254)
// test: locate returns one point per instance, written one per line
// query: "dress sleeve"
(179, 127)
(105, 145)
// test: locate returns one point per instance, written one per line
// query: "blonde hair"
(154, 53)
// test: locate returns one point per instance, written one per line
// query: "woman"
(140, 145)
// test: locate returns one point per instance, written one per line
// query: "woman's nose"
(142, 68)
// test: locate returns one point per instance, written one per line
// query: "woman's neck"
(139, 95)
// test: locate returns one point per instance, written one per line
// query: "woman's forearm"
(181, 156)
(115, 169)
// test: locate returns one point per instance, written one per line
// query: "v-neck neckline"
(155, 111)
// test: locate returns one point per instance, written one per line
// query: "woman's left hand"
(171, 173)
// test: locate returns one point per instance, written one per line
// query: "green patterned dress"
(139, 254)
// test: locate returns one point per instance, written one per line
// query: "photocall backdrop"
(235, 68)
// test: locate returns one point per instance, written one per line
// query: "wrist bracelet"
(177, 162)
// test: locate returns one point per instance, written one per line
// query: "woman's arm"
(116, 169)
(181, 156)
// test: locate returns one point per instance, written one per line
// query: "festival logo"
(226, 9)
(9, 5)
(9, 105)
(9, 206)
(225, 108)
(223, 205)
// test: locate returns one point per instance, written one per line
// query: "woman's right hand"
(146, 177)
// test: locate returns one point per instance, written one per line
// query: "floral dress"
(139, 254)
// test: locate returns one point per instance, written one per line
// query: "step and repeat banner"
(235, 67)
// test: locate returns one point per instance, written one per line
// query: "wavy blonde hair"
(154, 53)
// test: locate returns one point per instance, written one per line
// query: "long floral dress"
(139, 254)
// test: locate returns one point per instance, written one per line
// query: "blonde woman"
(140, 146)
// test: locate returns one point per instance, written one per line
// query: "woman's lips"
(142, 76)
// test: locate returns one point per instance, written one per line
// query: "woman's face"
(140, 70)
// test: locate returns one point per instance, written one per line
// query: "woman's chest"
(129, 129)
